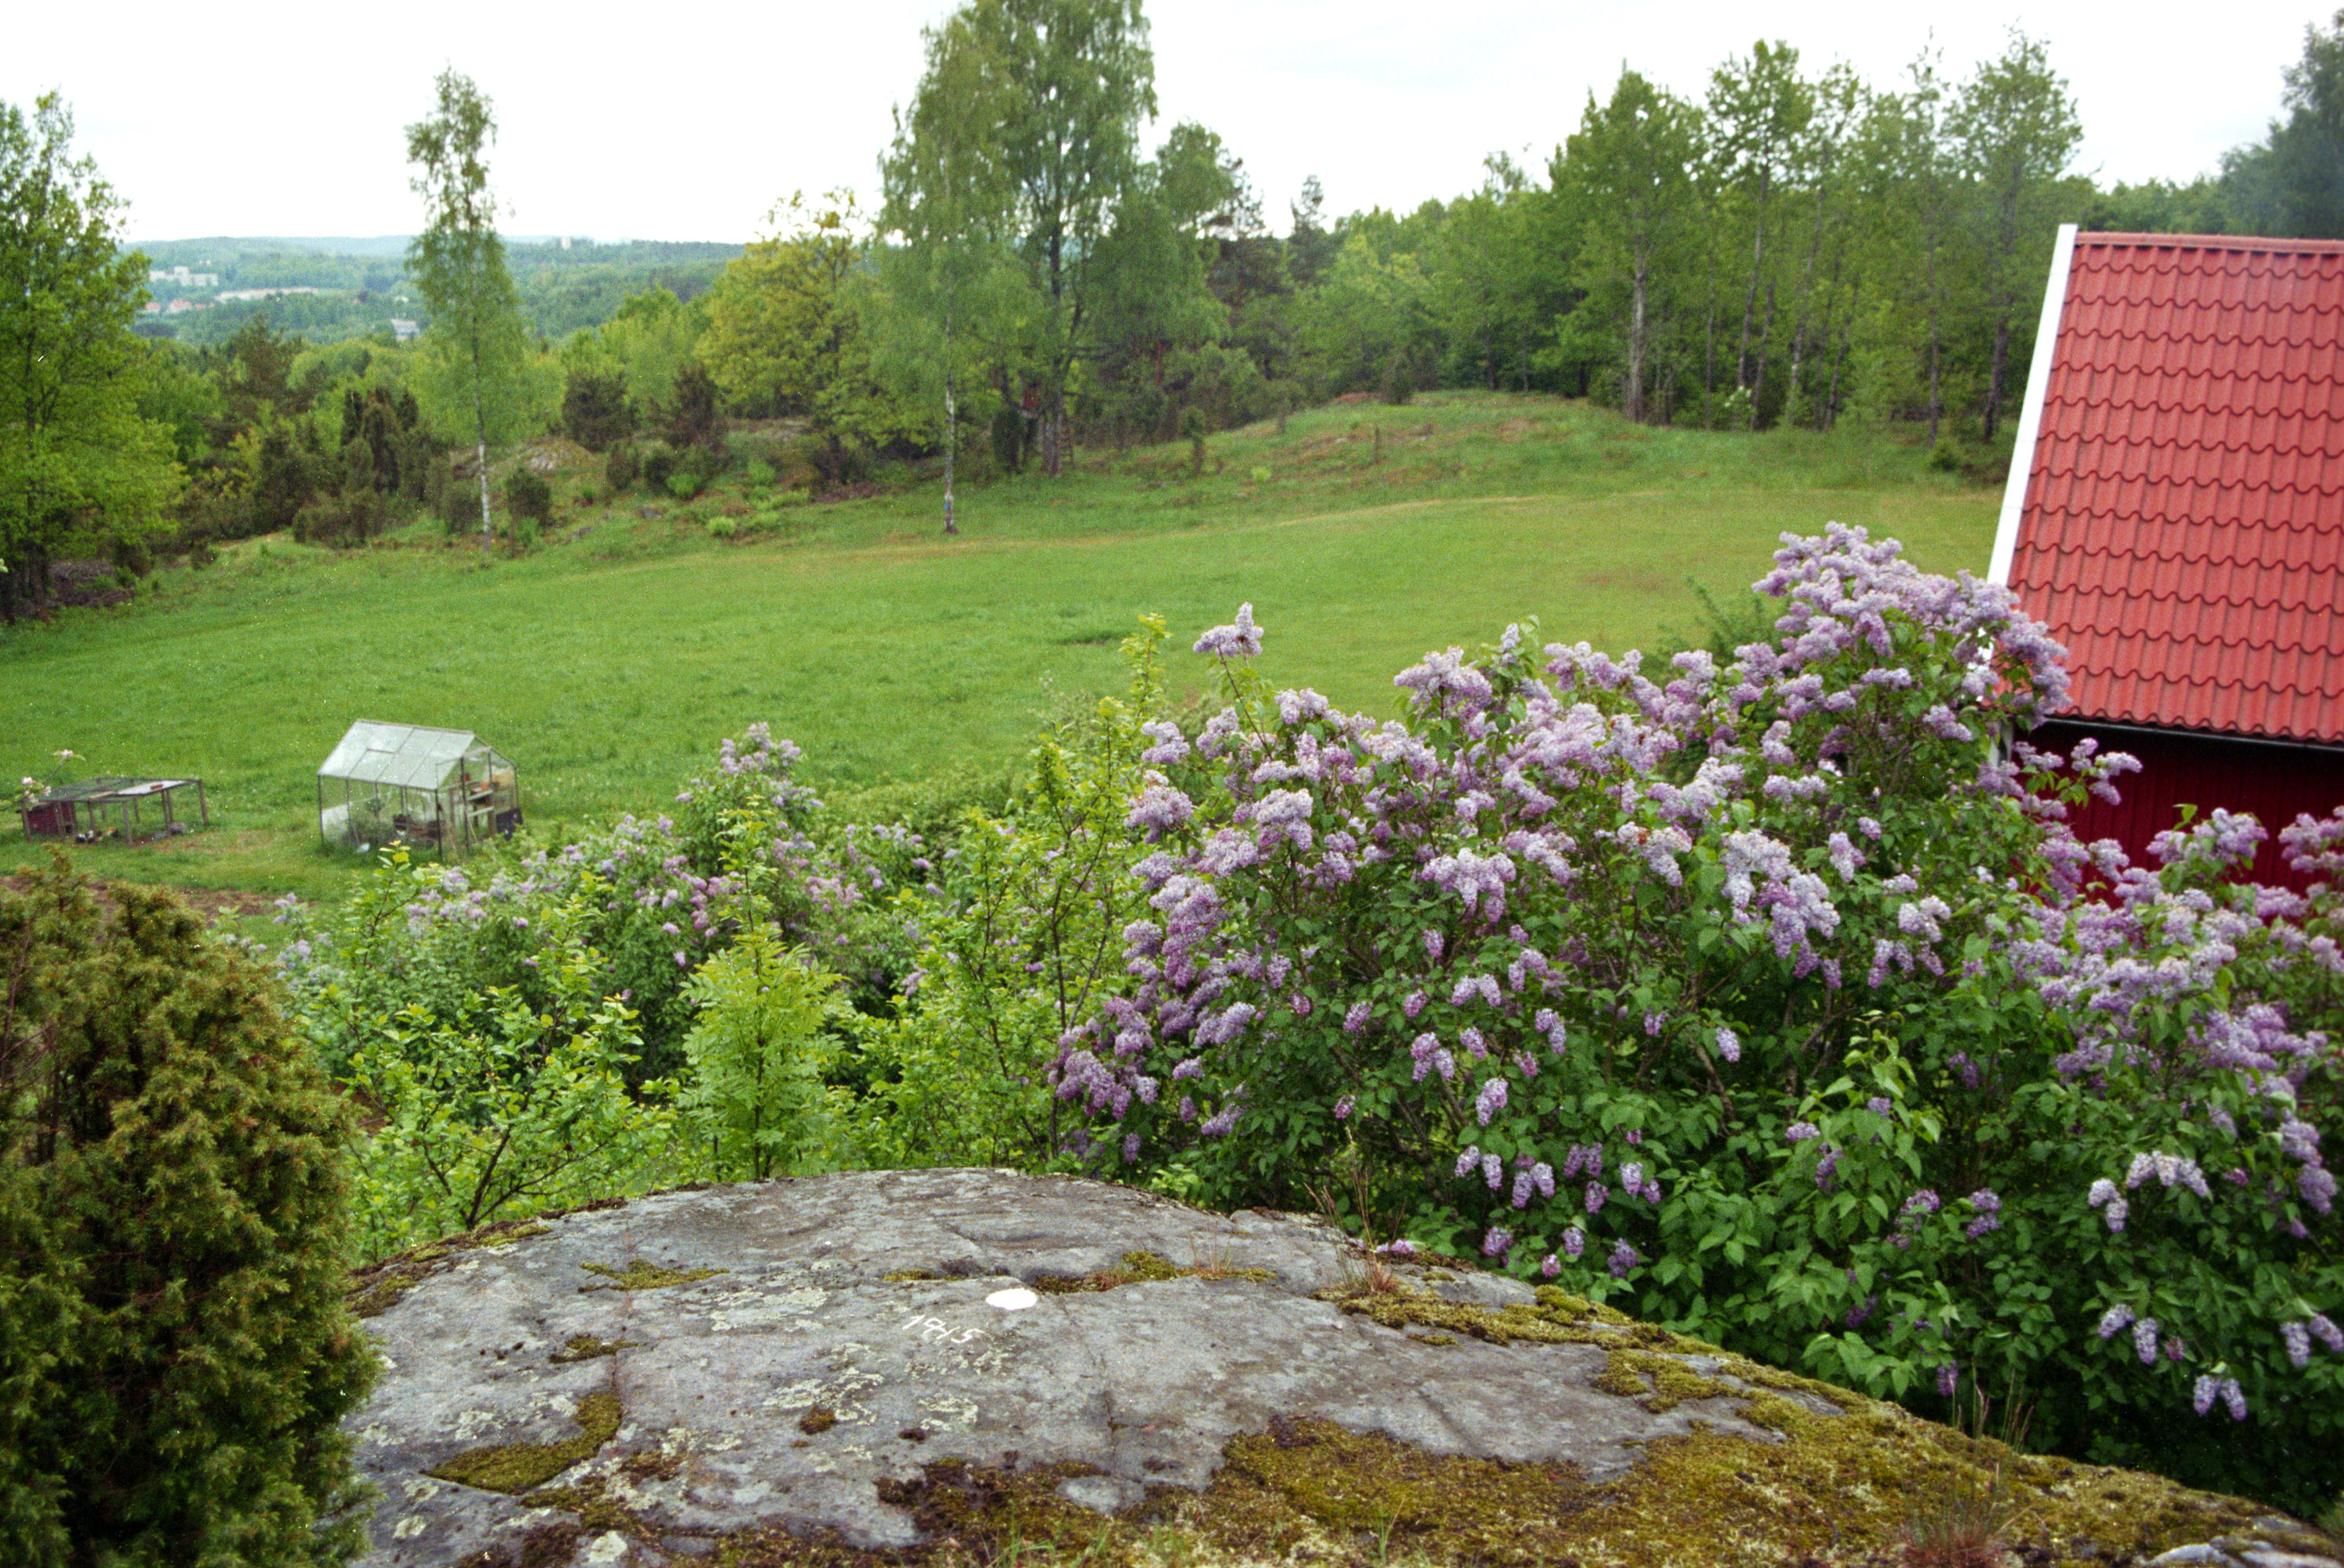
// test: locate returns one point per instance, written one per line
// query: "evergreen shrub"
(619, 468)
(174, 1355)
(529, 495)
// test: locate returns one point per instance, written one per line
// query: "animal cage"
(439, 791)
(120, 810)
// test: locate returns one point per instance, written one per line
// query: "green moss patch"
(380, 1287)
(586, 1348)
(514, 1468)
(1138, 1268)
(642, 1276)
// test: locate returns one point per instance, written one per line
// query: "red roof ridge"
(2252, 243)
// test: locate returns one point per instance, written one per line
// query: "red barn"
(2175, 514)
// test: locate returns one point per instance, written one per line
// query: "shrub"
(174, 1349)
(506, 1102)
(1767, 1002)
(659, 461)
(529, 495)
(343, 521)
(594, 408)
(620, 468)
(758, 1055)
(1021, 942)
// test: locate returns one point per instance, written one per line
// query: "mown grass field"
(609, 662)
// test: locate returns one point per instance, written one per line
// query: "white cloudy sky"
(657, 121)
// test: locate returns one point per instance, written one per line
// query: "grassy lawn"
(608, 663)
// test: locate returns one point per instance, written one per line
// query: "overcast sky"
(656, 122)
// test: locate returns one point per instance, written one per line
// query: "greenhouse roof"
(413, 756)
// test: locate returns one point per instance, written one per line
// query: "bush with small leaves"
(174, 1355)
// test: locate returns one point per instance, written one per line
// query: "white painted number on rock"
(935, 1331)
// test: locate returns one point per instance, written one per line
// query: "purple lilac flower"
(1497, 1242)
(1728, 1044)
(1355, 1019)
(1490, 1100)
(1631, 1175)
(1828, 1164)
(1241, 639)
(1947, 1376)
(1543, 1177)
(2298, 1344)
(1623, 1259)
(1878, 1104)
(1466, 1160)
(1988, 1209)
(1414, 1005)
(2317, 1187)
(2203, 1398)
(1475, 1046)
(2234, 1397)
(1557, 1037)
(1574, 1241)
(1433, 943)
(2329, 1334)
(2115, 1319)
(1654, 1023)
(1130, 1147)
(1523, 1187)
(1596, 1193)
(1445, 1065)
(2117, 1209)
(2102, 1191)
(2144, 1342)
(1551, 1265)
(1343, 1106)
(1800, 1132)
(1422, 1049)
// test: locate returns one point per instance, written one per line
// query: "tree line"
(1790, 247)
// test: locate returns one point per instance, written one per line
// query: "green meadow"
(610, 661)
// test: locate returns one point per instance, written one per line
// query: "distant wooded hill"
(362, 288)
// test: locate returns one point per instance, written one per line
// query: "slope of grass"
(608, 664)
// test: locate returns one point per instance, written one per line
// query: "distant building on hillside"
(180, 277)
(2176, 515)
(229, 295)
(405, 330)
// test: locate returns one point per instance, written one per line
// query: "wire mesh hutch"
(442, 792)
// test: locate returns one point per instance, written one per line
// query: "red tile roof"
(2183, 524)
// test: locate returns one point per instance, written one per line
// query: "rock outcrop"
(971, 1366)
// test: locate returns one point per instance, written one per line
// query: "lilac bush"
(1693, 989)
(655, 899)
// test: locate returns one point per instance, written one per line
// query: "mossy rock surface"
(975, 1367)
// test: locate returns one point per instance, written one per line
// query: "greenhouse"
(446, 792)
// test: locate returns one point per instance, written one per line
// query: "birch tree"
(476, 352)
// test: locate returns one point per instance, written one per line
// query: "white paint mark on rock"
(1014, 1300)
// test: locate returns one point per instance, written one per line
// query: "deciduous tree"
(477, 354)
(1039, 104)
(75, 452)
